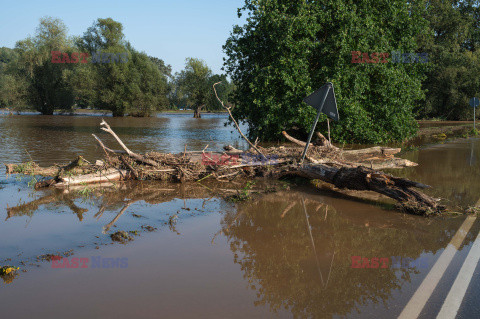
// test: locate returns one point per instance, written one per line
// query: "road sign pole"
(314, 125)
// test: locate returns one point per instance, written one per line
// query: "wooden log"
(112, 174)
(105, 127)
(363, 178)
(126, 163)
(321, 140)
(388, 163)
(230, 150)
(294, 140)
(227, 108)
(372, 151)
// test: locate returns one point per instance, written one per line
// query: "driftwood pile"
(345, 169)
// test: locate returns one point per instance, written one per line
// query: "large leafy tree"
(13, 86)
(287, 49)
(47, 87)
(148, 86)
(193, 83)
(135, 86)
(193, 87)
(165, 69)
(454, 57)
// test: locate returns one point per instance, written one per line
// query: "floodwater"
(284, 254)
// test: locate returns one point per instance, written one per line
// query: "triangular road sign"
(330, 106)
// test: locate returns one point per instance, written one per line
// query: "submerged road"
(457, 304)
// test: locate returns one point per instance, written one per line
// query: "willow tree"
(287, 49)
(13, 86)
(47, 87)
(193, 83)
(132, 84)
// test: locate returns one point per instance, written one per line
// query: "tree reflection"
(299, 259)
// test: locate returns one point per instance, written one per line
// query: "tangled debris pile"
(346, 169)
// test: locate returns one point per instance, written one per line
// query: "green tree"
(47, 88)
(287, 49)
(455, 60)
(134, 85)
(148, 86)
(165, 69)
(194, 83)
(13, 87)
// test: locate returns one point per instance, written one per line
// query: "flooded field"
(289, 253)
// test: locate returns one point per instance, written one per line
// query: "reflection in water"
(451, 169)
(108, 198)
(295, 252)
(472, 159)
(132, 206)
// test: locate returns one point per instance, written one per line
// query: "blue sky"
(171, 30)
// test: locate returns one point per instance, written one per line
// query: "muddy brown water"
(283, 254)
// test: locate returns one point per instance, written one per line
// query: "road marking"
(423, 293)
(457, 292)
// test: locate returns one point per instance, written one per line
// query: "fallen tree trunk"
(100, 176)
(363, 178)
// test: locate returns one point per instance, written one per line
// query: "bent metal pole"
(314, 124)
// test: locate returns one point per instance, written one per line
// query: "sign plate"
(330, 106)
(474, 102)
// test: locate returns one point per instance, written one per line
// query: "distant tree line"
(287, 49)
(99, 70)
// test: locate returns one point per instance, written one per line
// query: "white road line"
(457, 292)
(423, 293)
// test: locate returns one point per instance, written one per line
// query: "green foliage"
(137, 87)
(243, 194)
(193, 83)
(12, 86)
(193, 87)
(286, 50)
(46, 85)
(148, 86)
(165, 69)
(455, 61)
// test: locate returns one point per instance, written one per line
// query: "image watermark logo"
(387, 262)
(219, 159)
(89, 262)
(381, 57)
(81, 57)
(257, 159)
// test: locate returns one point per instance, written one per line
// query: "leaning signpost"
(324, 101)
(474, 102)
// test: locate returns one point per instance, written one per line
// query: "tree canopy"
(111, 75)
(287, 49)
(194, 87)
(45, 82)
